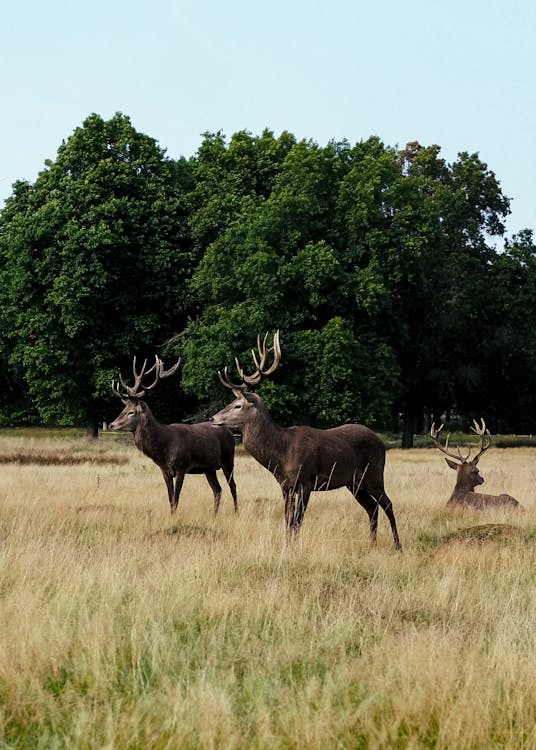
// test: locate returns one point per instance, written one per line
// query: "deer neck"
(265, 441)
(147, 435)
(464, 486)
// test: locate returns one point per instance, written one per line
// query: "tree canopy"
(378, 265)
(95, 257)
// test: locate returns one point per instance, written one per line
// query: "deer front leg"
(212, 479)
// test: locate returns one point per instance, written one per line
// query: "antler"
(482, 433)
(134, 391)
(260, 363)
(434, 434)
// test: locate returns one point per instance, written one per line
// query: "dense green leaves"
(377, 265)
(94, 260)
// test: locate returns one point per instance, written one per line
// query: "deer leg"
(387, 506)
(288, 497)
(229, 475)
(216, 488)
(168, 479)
(365, 499)
(179, 479)
(370, 504)
(300, 506)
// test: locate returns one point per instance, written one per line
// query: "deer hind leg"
(288, 497)
(387, 506)
(296, 501)
(229, 475)
(365, 499)
(216, 489)
(370, 498)
(301, 502)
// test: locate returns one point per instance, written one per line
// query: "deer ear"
(452, 464)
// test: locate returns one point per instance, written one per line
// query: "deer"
(178, 449)
(306, 459)
(467, 475)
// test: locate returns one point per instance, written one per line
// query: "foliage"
(373, 262)
(377, 265)
(94, 258)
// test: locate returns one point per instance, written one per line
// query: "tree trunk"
(408, 429)
(92, 424)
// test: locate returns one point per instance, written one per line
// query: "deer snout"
(478, 479)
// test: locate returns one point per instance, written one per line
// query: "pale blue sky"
(459, 73)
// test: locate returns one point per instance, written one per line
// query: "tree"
(279, 264)
(94, 259)
(418, 229)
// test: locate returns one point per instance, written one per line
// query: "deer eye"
(131, 413)
(238, 406)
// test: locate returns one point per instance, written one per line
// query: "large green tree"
(281, 263)
(367, 258)
(94, 258)
(377, 264)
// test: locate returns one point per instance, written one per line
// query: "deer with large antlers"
(467, 475)
(178, 449)
(305, 459)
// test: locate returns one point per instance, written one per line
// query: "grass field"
(123, 628)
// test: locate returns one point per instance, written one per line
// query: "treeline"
(378, 265)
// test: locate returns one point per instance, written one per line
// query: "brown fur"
(305, 459)
(180, 449)
(463, 496)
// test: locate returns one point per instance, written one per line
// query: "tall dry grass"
(123, 628)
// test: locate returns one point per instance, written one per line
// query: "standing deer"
(178, 449)
(467, 475)
(305, 459)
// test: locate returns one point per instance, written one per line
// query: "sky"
(460, 74)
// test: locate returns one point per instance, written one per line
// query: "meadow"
(121, 627)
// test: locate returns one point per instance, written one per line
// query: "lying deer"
(305, 459)
(178, 449)
(467, 475)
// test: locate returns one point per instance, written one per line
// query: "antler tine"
(116, 391)
(130, 391)
(262, 352)
(276, 349)
(135, 390)
(138, 390)
(228, 383)
(253, 379)
(434, 434)
(162, 373)
(259, 358)
(482, 432)
(260, 373)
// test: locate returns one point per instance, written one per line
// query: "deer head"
(246, 404)
(468, 476)
(132, 396)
